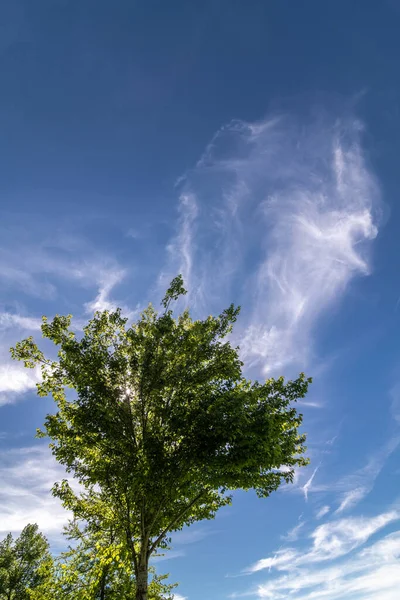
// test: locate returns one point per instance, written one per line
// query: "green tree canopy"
(163, 425)
(25, 563)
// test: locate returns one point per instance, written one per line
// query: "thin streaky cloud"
(317, 230)
(354, 487)
(169, 555)
(310, 404)
(39, 269)
(324, 510)
(329, 541)
(181, 249)
(15, 276)
(331, 441)
(351, 498)
(338, 564)
(285, 210)
(11, 320)
(293, 534)
(306, 487)
(107, 281)
(27, 475)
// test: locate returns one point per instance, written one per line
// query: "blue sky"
(253, 147)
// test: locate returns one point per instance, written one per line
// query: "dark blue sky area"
(119, 98)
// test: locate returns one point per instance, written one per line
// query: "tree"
(95, 567)
(164, 426)
(25, 563)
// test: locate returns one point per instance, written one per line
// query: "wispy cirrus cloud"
(351, 498)
(354, 487)
(181, 249)
(51, 269)
(106, 282)
(345, 491)
(41, 267)
(330, 541)
(18, 278)
(27, 475)
(337, 564)
(293, 534)
(306, 487)
(15, 320)
(286, 210)
(321, 218)
(324, 510)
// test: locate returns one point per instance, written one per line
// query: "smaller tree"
(25, 563)
(96, 566)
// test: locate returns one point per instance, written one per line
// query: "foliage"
(95, 567)
(25, 563)
(164, 426)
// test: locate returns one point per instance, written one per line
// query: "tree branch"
(174, 522)
(130, 541)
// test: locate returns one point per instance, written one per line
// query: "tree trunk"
(142, 581)
(103, 585)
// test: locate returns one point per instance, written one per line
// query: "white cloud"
(331, 441)
(15, 379)
(293, 534)
(27, 475)
(306, 487)
(337, 564)
(15, 275)
(318, 223)
(11, 320)
(352, 498)
(330, 541)
(323, 511)
(337, 538)
(191, 535)
(89, 272)
(281, 557)
(168, 555)
(287, 207)
(133, 233)
(355, 486)
(181, 249)
(371, 573)
(311, 404)
(106, 282)
(41, 268)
